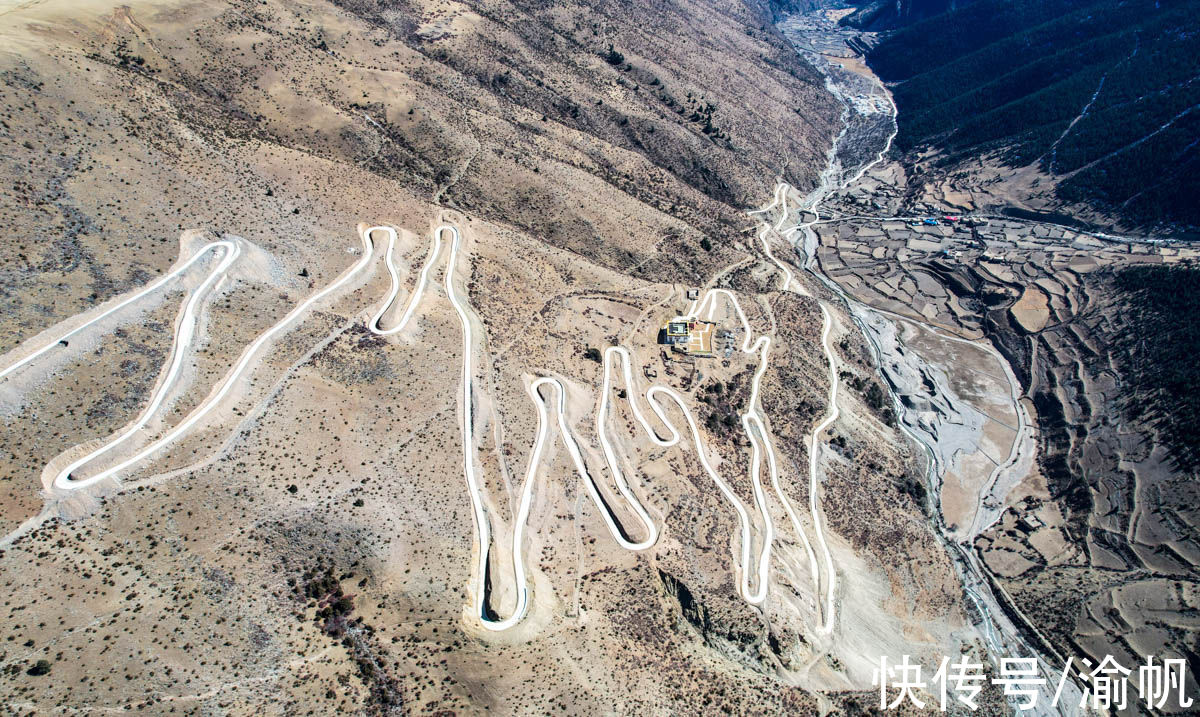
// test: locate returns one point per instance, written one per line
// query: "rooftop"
(689, 336)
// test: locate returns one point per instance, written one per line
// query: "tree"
(41, 667)
(875, 397)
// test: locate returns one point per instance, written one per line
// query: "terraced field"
(1099, 534)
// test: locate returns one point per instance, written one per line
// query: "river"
(868, 126)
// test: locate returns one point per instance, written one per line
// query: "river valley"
(912, 357)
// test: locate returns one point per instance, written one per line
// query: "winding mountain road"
(752, 422)
(754, 574)
(184, 334)
(185, 329)
(782, 189)
(229, 251)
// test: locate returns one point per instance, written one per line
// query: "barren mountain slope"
(289, 124)
(309, 547)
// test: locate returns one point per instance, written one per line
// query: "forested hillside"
(1104, 95)
(1159, 359)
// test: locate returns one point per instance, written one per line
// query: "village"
(935, 269)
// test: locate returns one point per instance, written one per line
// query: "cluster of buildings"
(695, 337)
